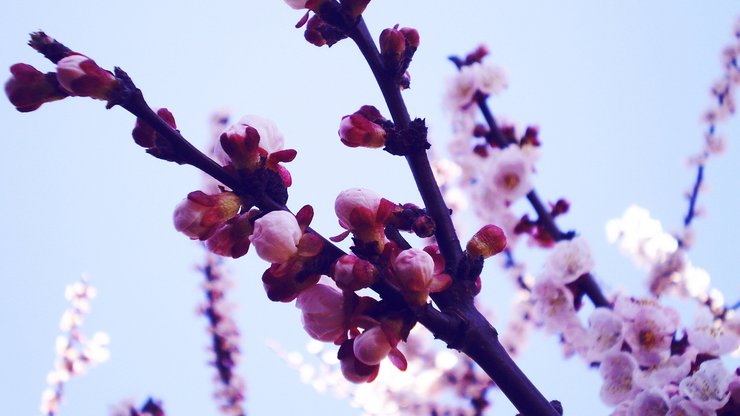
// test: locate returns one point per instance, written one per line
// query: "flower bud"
(28, 88)
(488, 241)
(80, 75)
(322, 310)
(200, 214)
(372, 346)
(350, 203)
(145, 136)
(353, 369)
(424, 226)
(392, 44)
(414, 269)
(353, 273)
(363, 128)
(248, 139)
(232, 238)
(276, 236)
(412, 36)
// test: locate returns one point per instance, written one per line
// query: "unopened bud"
(80, 75)
(28, 88)
(372, 346)
(353, 273)
(353, 369)
(488, 241)
(200, 214)
(392, 44)
(363, 128)
(322, 310)
(412, 36)
(145, 136)
(424, 226)
(276, 236)
(232, 238)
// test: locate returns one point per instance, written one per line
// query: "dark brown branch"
(459, 324)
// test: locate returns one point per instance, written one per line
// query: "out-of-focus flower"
(461, 88)
(28, 88)
(80, 75)
(322, 310)
(617, 369)
(276, 236)
(708, 387)
(649, 328)
(507, 173)
(492, 79)
(554, 304)
(569, 260)
(199, 215)
(605, 334)
(653, 402)
(363, 128)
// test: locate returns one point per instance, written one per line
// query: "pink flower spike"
(276, 236)
(199, 215)
(80, 75)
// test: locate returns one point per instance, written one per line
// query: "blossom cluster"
(75, 352)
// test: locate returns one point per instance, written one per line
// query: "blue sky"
(617, 89)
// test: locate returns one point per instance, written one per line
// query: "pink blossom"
(569, 260)
(491, 79)
(199, 215)
(708, 388)
(709, 335)
(605, 334)
(322, 310)
(507, 174)
(352, 201)
(353, 369)
(651, 402)
(80, 75)
(461, 88)
(414, 269)
(276, 236)
(679, 406)
(617, 369)
(372, 346)
(554, 304)
(649, 330)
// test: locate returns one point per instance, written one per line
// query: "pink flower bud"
(232, 238)
(276, 236)
(80, 75)
(353, 369)
(412, 36)
(145, 136)
(28, 88)
(414, 269)
(363, 128)
(354, 203)
(200, 214)
(245, 141)
(392, 44)
(488, 241)
(372, 346)
(352, 273)
(323, 312)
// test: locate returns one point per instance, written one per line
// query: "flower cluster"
(75, 352)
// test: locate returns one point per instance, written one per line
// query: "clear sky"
(617, 88)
